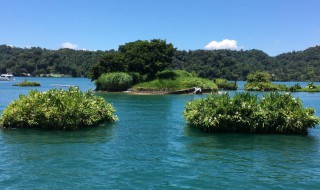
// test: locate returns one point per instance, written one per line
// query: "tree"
(143, 57)
(147, 57)
(259, 76)
(111, 62)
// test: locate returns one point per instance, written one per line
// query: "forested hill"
(38, 61)
(233, 65)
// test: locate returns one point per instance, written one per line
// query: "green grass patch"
(27, 83)
(57, 109)
(175, 80)
(245, 112)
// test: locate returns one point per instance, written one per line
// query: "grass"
(27, 83)
(175, 80)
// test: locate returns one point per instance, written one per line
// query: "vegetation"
(311, 87)
(228, 64)
(117, 81)
(245, 112)
(224, 84)
(261, 81)
(259, 76)
(236, 65)
(36, 61)
(143, 57)
(175, 80)
(27, 83)
(57, 109)
(265, 86)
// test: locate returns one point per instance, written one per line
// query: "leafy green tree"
(259, 76)
(147, 57)
(111, 62)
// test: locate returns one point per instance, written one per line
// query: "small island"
(57, 109)
(27, 83)
(143, 67)
(247, 113)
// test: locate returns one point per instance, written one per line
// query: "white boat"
(6, 77)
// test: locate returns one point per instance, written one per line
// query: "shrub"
(259, 76)
(295, 87)
(117, 81)
(225, 84)
(265, 86)
(311, 85)
(137, 78)
(27, 83)
(57, 109)
(245, 112)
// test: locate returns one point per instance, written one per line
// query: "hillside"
(233, 65)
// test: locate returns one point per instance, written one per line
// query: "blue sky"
(273, 26)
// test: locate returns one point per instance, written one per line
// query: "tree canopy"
(148, 57)
(143, 57)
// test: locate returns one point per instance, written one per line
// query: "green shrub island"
(311, 87)
(224, 84)
(114, 81)
(245, 112)
(57, 109)
(261, 81)
(27, 83)
(175, 80)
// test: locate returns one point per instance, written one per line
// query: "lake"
(151, 147)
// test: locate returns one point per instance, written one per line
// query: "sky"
(273, 26)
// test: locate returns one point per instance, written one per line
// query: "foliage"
(27, 83)
(36, 61)
(111, 62)
(142, 56)
(265, 86)
(295, 87)
(225, 84)
(259, 76)
(57, 109)
(261, 81)
(245, 112)
(117, 81)
(228, 64)
(175, 80)
(236, 65)
(311, 87)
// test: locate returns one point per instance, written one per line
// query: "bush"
(225, 84)
(117, 81)
(57, 109)
(265, 86)
(27, 83)
(259, 76)
(245, 112)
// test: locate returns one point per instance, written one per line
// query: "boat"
(6, 77)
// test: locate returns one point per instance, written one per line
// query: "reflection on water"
(98, 134)
(257, 158)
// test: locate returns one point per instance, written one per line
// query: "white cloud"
(224, 44)
(69, 45)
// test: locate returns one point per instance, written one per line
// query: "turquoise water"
(152, 148)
